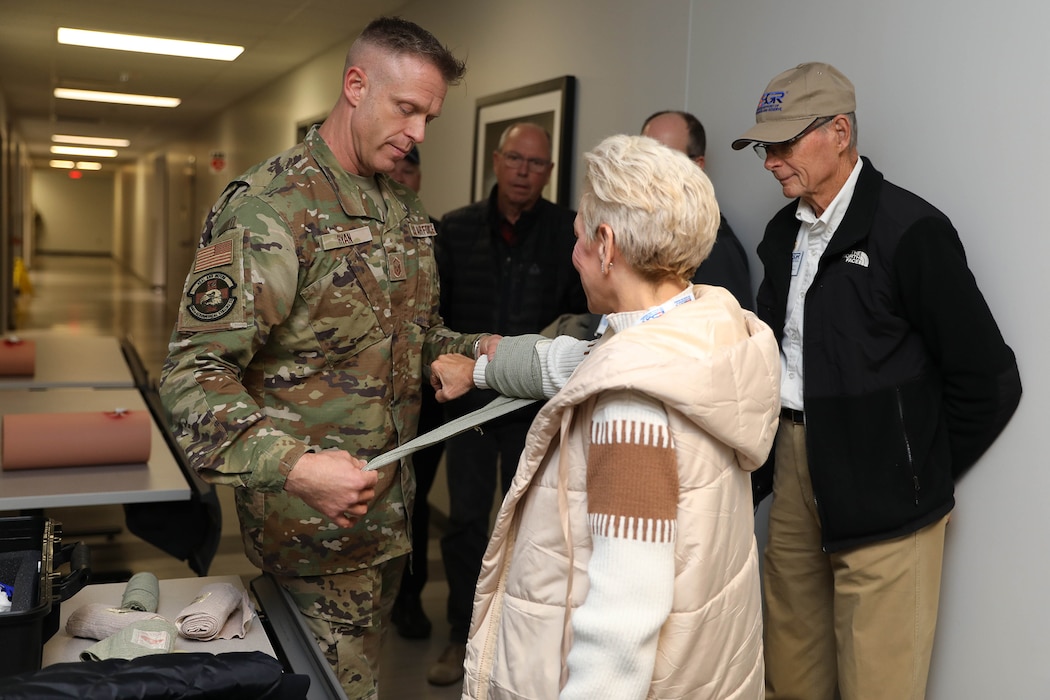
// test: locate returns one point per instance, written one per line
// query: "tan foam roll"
(36, 440)
(17, 357)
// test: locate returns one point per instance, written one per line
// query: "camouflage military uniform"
(306, 321)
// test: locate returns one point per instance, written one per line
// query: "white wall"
(76, 216)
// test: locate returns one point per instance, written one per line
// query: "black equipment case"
(30, 555)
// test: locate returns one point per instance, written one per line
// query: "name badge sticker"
(342, 239)
(796, 262)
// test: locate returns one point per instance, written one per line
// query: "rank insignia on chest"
(396, 263)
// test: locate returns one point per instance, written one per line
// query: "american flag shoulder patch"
(215, 255)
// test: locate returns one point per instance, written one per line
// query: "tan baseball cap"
(794, 99)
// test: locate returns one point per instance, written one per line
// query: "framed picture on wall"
(550, 104)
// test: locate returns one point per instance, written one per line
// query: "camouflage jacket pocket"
(341, 315)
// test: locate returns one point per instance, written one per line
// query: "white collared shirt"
(814, 234)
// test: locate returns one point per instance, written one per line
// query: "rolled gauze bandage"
(220, 611)
(17, 357)
(34, 440)
(98, 621)
(142, 593)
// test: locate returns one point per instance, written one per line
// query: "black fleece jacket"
(907, 377)
(489, 285)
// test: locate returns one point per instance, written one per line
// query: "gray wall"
(948, 105)
(262, 125)
(949, 98)
(76, 216)
(629, 59)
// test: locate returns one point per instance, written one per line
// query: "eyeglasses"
(783, 150)
(514, 160)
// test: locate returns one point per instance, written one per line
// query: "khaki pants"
(860, 622)
(348, 615)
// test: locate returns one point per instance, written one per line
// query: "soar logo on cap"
(771, 102)
(211, 296)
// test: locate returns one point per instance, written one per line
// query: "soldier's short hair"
(403, 37)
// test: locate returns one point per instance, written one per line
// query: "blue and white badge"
(658, 311)
(796, 262)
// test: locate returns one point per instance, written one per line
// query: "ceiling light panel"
(148, 44)
(116, 98)
(90, 141)
(81, 151)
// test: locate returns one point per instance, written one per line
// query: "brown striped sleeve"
(632, 473)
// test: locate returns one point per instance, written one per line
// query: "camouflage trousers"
(348, 615)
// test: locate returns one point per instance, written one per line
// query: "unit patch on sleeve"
(214, 296)
(211, 297)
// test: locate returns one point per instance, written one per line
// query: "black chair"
(187, 530)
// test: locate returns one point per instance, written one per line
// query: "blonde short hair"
(659, 203)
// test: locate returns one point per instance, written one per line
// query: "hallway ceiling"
(278, 36)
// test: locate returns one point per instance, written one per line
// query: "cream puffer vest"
(716, 369)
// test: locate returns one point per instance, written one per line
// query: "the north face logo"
(856, 257)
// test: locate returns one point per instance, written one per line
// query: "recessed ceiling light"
(148, 44)
(79, 165)
(79, 151)
(91, 141)
(116, 98)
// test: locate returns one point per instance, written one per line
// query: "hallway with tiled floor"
(89, 295)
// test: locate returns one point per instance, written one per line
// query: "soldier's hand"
(451, 376)
(333, 483)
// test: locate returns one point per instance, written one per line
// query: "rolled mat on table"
(17, 357)
(36, 440)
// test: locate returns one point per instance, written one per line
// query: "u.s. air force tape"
(500, 406)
